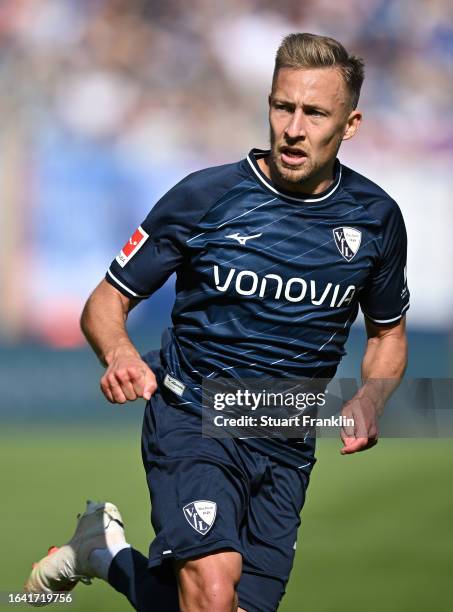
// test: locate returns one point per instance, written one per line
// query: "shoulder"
(210, 183)
(377, 202)
(188, 201)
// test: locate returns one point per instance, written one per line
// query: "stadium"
(106, 105)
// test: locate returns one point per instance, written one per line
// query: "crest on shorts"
(348, 241)
(200, 515)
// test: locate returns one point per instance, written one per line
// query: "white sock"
(101, 558)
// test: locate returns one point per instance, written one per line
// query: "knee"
(214, 593)
(209, 583)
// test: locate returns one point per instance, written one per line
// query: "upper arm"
(396, 330)
(106, 297)
(155, 250)
(159, 246)
(385, 297)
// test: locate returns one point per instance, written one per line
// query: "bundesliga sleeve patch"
(135, 242)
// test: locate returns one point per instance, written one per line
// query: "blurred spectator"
(107, 103)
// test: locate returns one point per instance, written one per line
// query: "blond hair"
(304, 50)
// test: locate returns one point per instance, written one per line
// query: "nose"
(296, 126)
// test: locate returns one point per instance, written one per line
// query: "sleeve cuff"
(389, 320)
(122, 287)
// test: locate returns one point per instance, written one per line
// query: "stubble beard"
(281, 173)
(290, 174)
(306, 176)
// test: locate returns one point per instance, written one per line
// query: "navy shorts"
(213, 494)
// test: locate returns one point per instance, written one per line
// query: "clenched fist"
(127, 378)
(363, 435)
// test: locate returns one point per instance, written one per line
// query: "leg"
(198, 491)
(260, 593)
(209, 582)
(148, 590)
(269, 536)
(98, 537)
(98, 549)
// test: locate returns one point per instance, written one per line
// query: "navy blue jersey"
(267, 283)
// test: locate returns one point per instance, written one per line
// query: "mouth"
(292, 156)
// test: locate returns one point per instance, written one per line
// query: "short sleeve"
(156, 248)
(385, 297)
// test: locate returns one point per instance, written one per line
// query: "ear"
(269, 97)
(352, 124)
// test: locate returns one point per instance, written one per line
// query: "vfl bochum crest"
(200, 515)
(347, 240)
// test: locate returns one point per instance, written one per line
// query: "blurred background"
(105, 104)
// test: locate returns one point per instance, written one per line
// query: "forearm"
(127, 376)
(383, 367)
(103, 323)
(385, 358)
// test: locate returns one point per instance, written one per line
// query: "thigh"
(209, 581)
(269, 535)
(198, 491)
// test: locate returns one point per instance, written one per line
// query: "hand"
(127, 378)
(364, 433)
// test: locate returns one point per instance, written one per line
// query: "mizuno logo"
(242, 239)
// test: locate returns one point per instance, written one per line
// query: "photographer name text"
(295, 421)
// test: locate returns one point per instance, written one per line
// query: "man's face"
(309, 114)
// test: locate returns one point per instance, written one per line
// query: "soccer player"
(274, 255)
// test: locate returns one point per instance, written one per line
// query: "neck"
(312, 185)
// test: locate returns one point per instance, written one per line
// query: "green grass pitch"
(376, 530)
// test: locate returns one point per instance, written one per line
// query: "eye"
(314, 112)
(282, 107)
